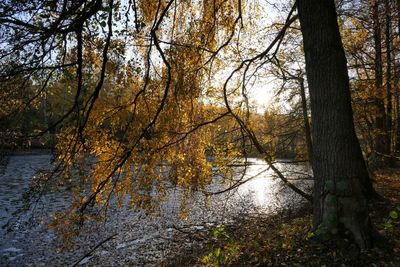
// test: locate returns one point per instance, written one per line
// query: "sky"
(262, 94)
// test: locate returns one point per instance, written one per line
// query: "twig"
(92, 250)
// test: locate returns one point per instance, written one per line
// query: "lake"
(140, 239)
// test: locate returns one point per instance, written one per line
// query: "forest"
(200, 132)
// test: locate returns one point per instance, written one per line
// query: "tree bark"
(340, 172)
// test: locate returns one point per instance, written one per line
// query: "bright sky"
(263, 95)
(263, 92)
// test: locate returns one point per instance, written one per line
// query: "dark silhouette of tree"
(340, 190)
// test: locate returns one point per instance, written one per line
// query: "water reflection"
(266, 191)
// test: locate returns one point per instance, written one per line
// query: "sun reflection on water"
(264, 190)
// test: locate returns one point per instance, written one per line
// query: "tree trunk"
(381, 140)
(307, 129)
(388, 42)
(339, 168)
(397, 148)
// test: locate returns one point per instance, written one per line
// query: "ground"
(286, 240)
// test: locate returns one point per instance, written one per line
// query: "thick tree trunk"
(339, 168)
(307, 129)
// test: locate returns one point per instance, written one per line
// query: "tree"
(369, 41)
(381, 140)
(153, 84)
(339, 168)
(389, 95)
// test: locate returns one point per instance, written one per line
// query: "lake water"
(140, 239)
